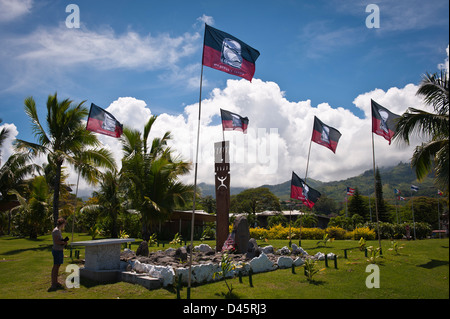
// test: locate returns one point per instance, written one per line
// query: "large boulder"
(261, 264)
(142, 249)
(284, 262)
(242, 234)
(252, 249)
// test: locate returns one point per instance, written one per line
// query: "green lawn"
(420, 270)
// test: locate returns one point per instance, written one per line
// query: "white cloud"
(279, 133)
(7, 148)
(103, 49)
(445, 66)
(12, 9)
(204, 19)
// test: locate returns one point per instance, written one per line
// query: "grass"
(420, 270)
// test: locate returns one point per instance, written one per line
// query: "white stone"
(298, 250)
(267, 249)
(320, 256)
(298, 262)
(331, 256)
(284, 262)
(261, 264)
(204, 272)
(204, 248)
(284, 251)
(163, 273)
(138, 267)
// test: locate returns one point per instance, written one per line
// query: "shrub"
(258, 233)
(336, 232)
(362, 232)
(278, 232)
(312, 233)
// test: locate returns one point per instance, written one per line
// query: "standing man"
(58, 252)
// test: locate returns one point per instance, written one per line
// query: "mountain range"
(398, 177)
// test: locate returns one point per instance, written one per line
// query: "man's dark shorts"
(58, 257)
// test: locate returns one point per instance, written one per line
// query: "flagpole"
(307, 163)
(375, 186)
(412, 209)
(75, 208)
(191, 251)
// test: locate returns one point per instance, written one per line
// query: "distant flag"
(401, 198)
(439, 192)
(300, 190)
(232, 121)
(224, 52)
(397, 191)
(103, 122)
(350, 191)
(414, 188)
(325, 135)
(383, 121)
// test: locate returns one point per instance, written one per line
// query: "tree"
(109, 201)
(4, 133)
(433, 154)
(66, 139)
(32, 213)
(151, 173)
(357, 205)
(253, 200)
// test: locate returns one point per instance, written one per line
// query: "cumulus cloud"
(7, 149)
(279, 133)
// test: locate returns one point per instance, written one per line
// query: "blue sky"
(317, 58)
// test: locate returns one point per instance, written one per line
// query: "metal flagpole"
(412, 209)
(75, 208)
(375, 186)
(195, 188)
(307, 163)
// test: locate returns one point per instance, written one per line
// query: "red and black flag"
(384, 122)
(224, 52)
(232, 121)
(300, 190)
(103, 122)
(325, 135)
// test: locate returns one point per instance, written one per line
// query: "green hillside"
(400, 177)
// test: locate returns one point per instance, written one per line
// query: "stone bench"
(102, 259)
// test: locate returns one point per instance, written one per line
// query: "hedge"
(368, 232)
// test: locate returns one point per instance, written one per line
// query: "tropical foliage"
(65, 139)
(434, 153)
(150, 172)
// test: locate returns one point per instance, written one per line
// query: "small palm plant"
(226, 266)
(311, 268)
(373, 254)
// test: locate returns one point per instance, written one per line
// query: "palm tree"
(66, 139)
(433, 154)
(109, 201)
(33, 212)
(12, 177)
(151, 173)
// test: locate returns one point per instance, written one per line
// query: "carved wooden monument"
(222, 178)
